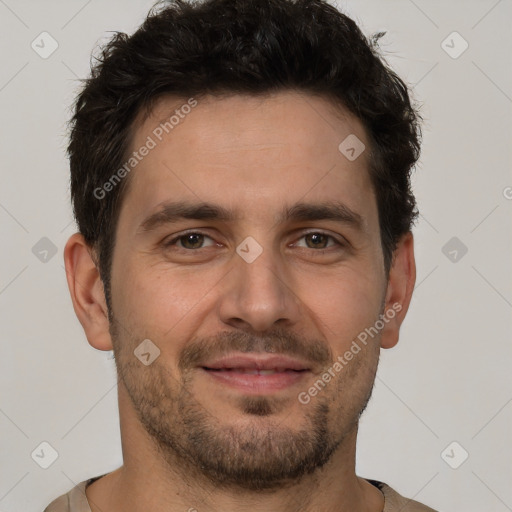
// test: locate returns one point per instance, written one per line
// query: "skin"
(254, 156)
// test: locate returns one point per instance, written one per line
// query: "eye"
(319, 240)
(189, 241)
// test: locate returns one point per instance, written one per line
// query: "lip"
(257, 374)
(257, 362)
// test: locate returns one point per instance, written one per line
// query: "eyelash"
(183, 235)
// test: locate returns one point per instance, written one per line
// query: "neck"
(147, 480)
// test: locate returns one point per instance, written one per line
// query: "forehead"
(250, 153)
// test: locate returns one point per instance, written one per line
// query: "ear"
(87, 293)
(401, 280)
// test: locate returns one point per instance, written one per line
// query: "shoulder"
(394, 502)
(73, 501)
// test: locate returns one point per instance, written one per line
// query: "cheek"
(345, 306)
(161, 302)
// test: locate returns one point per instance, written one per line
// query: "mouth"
(257, 375)
(250, 371)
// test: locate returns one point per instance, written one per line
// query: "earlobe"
(402, 277)
(87, 294)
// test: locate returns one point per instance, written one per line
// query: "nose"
(258, 296)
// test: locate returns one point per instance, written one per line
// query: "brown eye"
(190, 241)
(318, 240)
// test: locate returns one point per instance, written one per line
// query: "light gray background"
(448, 379)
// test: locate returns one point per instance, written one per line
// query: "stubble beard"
(262, 454)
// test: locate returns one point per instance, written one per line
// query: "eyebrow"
(171, 212)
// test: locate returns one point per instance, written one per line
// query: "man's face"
(257, 285)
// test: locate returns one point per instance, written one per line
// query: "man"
(240, 175)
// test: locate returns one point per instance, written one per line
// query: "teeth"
(252, 371)
(249, 371)
(255, 371)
